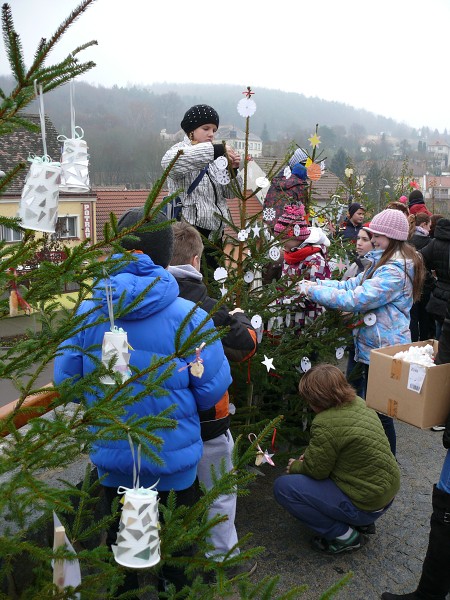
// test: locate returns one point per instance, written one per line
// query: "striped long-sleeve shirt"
(206, 206)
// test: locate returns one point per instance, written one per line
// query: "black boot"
(435, 580)
(434, 583)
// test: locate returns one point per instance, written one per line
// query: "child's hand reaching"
(291, 460)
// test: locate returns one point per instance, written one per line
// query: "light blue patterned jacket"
(387, 294)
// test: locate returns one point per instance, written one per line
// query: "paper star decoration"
(268, 363)
(315, 140)
(256, 229)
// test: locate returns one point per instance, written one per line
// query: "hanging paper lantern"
(74, 164)
(115, 344)
(314, 171)
(138, 544)
(38, 207)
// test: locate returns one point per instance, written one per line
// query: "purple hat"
(292, 223)
(391, 223)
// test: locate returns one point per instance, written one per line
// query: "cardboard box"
(388, 393)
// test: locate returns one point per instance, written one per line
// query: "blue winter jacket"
(387, 294)
(151, 327)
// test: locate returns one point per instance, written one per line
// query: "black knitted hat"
(198, 115)
(415, 197)
(156, 244)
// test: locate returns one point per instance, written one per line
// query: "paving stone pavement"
(391, 560)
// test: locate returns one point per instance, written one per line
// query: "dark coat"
(436, 256)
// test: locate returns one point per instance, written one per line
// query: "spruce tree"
(47, 445)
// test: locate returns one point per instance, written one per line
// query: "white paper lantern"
(74, 164)
(115, 344)
(38, 207)
(138, 544)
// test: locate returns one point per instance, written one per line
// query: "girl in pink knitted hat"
(382, 295)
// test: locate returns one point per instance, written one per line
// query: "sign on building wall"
(87, 220)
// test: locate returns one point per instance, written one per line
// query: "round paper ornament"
(246, 107)
(305, 364)
(138, 545)
(370, 319)
(242, 235)
(38, 207)
(249, 277)
(274, 253)
(256, 321)
(340, 352)
(221, 163)
(297, 230)
(220, 274)
(262, 182)
(222, 177)
(314, 171)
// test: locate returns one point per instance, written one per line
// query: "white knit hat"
(390, 222)
(299, 156)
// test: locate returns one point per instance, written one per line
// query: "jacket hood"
(131, 281)
(442, 230)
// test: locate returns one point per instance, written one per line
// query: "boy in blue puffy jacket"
(151, 326)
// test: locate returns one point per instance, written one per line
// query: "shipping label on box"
(410, 392)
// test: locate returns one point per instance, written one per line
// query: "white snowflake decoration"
(249, 276)
(269, 214)
(223, 177)
(256, 321)
(246, 107)
(242, 235)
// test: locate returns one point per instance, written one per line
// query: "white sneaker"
(438, 428)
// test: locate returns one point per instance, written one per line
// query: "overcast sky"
(387, 56)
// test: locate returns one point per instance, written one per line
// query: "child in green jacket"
(347, 477)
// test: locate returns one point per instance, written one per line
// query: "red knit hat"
(292, 223)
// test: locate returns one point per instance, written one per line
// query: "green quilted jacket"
(348, 445)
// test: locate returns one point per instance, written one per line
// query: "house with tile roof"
(236, 138)
(76, 220)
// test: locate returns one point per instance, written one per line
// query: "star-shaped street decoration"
(315, 140)
(268, 363)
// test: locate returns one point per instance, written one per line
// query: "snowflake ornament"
(242, 235)
(274, 253)
(249, 277)
(246, 107)
(223, 177)
(256, 321)
(269, 214)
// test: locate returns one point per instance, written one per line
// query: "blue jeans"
(320, 505)
(444, 480)
(387, 422)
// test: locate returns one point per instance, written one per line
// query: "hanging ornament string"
(261, 457)
(196, 365)
(40, 96)
(109, 301)
(72, 107)
(136, 462)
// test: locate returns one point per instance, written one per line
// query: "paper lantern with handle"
(74, 164)
(38, 207)
(138, 544)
